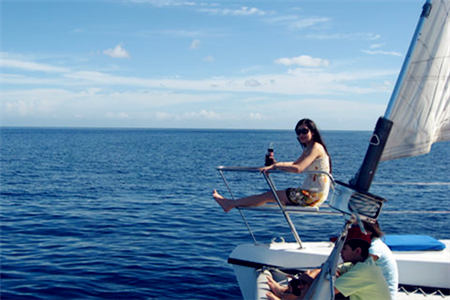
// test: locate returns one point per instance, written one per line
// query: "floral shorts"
(301, 197)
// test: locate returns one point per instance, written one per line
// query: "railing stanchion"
(285, 213)
(240, 211)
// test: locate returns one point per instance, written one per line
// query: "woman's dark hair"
(317, 137)
(359, 244)
(374, 229)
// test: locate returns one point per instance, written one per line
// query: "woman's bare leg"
(251, 201)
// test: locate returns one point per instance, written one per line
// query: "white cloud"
(251, 69)
(304, 61)
(335, 113)
(202, 114)
(307, 22)
(256, 116)
(163, 3)
(283, 19)
(180, 33)
(21, 108)
(243, 11)
(195, 44)
(380, 52)
(297, 22)
(246, 11)
(147, 108)
(252, 83)
(26, 103)
(209, 59)
(91, 76)
(297, 81)
(376, 46)
(163, 116)
(31, 66)
(384, 86)
(119, 115)
(118, 104)
(117, 52)
(347, 36)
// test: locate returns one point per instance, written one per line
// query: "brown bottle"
(270, 158)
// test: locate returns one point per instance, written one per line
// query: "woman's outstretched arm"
(298, 166)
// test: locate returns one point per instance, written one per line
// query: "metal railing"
(273, 189)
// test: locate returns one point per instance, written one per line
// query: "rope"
(422, 292)
(411, 183)
(417, 212)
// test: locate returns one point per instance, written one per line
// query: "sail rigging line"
(435, 212)
(412, 183)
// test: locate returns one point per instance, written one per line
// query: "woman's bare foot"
(226, 204)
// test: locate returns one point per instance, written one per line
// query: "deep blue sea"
(128, 214)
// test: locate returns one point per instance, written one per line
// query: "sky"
(224, 64)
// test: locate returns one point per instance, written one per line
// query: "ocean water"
(128, 214)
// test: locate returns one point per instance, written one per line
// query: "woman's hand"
(271, 296)
(266, 169)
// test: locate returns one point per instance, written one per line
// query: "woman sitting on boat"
(314, 190)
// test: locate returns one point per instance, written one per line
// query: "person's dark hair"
(317, 137)
(361, 244)
(374, 229)
(295, 289)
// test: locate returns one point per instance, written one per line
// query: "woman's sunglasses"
(302, 131)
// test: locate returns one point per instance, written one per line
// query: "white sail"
(421, 111)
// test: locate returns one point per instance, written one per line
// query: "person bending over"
(383, 257)
(315, 188)
(359, 278)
